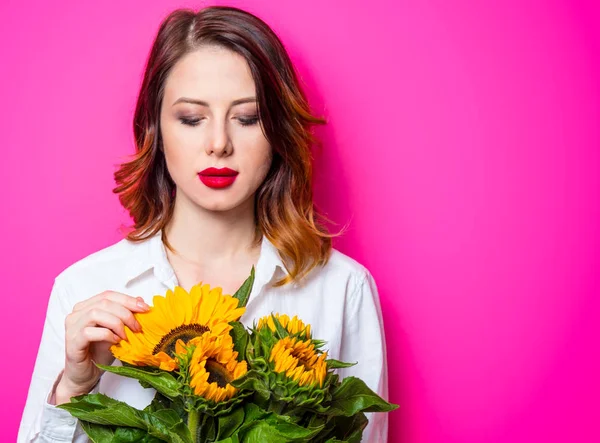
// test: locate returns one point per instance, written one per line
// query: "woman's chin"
(220, 205)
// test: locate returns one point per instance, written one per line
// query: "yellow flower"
(173, 321)
(213, 366)
(299, 361)
(293, 326)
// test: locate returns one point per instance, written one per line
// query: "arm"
(41, 420)
(364, 342)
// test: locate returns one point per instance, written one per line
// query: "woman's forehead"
(210, 74)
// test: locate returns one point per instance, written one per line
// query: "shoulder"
(342, 263)
(100, 267)
(342, 270)
(361, 291)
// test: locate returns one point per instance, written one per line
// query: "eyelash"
(243, 121)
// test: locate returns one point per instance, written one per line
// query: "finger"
(97, 334)
(99, 317)
(135, 304)
(120, 311)
(94, 334)
(115, 318)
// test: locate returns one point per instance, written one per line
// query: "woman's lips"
(216, 181)
(218, 178)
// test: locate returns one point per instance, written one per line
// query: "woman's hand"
(94, 325)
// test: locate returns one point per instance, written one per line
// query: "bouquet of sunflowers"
(217, 381)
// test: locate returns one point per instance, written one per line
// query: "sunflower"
(298, 360)
(214, 366)
(293, 326)
(178, 317)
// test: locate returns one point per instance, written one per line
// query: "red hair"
(284, 208)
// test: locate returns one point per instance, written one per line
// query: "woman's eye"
(248, 121)
(189, 121)
(244, 121)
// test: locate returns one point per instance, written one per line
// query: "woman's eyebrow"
(194, 101)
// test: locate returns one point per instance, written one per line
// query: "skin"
(211, 229)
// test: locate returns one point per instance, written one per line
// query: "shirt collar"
(151, 255)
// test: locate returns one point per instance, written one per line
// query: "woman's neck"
(212, 237)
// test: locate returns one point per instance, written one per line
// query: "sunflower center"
(301, 356)
(306, 365)
(183, 332)
(301, 361)
(217, 373)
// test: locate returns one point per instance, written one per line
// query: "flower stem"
(192, 423)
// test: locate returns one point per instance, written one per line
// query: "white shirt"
(339, 300)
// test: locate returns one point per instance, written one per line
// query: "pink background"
(463, 146)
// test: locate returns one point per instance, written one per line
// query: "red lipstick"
(218, 178)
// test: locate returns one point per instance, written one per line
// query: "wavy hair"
(284, 209)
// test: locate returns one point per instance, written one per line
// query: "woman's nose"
(219, 143)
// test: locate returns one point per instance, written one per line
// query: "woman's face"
(209, 118)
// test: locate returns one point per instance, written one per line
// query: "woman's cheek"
(263, 169)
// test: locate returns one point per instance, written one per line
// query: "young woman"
(220, 182)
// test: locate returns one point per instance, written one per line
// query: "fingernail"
(142, 304)
(138, 327)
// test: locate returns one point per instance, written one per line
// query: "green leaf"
(354, 396)
(336, 364)
(277, 429)
(206, 429)
(165, 424)
(133, 435)
(262, 432)
(228, 424)
(318, 343)
(243, 293)
(162, 381)
(294, 432)
(281, 331)
(349, 429)
(160, 402)
(240, 336)
(103, 434)
(253, 381)
(253, 412)
(103, 410)
(98, 433)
